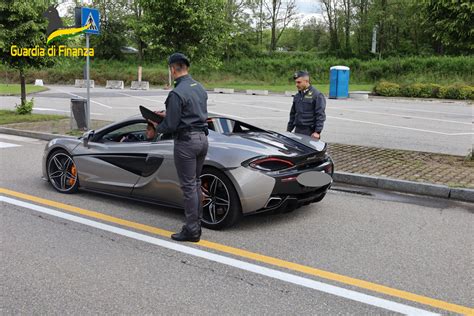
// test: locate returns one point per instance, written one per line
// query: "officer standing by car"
(307, 113)
(186, 119)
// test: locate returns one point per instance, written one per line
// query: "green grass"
(324, 88)
(15, 89)
(8, 116)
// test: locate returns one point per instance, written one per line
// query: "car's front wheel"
(62, 172)
(221, 204)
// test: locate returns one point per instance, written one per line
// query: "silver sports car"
(247, 170)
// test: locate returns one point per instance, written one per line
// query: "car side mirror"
(86, 137)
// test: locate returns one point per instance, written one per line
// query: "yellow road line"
(256, 257)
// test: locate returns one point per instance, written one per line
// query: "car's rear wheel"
(221, 204)
(62, 172)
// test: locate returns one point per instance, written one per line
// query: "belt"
(182, 133)
(192, 129)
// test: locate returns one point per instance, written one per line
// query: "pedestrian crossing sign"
(90, 16)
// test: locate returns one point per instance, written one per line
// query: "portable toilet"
(339, 82)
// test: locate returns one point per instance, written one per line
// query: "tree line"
(219, 30)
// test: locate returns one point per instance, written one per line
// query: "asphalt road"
(438, 126)
(52, 264)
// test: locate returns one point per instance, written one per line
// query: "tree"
(451, 24)
(239, 40)
(280, 15)
(331, 7)
(197, 28)
(347, 25)
(22, 24)
(112, 29)
(135, 22)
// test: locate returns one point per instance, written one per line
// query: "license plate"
(314, 179)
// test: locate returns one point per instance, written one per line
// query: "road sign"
(92, 17)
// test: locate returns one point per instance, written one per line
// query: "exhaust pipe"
(273, 201)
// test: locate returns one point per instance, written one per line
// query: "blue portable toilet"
(339, 82)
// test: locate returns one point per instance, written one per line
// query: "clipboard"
(150, 115)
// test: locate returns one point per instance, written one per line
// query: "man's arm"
(291, 122)
(171, 121)
(319, 113)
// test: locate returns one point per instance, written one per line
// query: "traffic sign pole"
(88, 106)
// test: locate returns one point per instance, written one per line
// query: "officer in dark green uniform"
(186, 119)
(307, 113)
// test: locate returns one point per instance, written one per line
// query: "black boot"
(185, 235)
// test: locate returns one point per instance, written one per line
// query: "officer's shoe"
(185, 235)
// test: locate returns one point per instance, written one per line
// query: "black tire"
(62, 172)
(217, 189)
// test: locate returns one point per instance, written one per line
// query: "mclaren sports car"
(247, 170)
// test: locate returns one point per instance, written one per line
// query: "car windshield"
(225, 125)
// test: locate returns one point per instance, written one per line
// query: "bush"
(387, 89)
(23, 109)
(457, 91)
(421, 90)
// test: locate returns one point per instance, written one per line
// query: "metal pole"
(169, 78)
(88, 106)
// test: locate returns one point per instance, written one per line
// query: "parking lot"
(359, 251)
(439, 126)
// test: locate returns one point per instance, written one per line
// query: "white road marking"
(8, 145)
(62, 111)
(23, 139)
(333, 105)
(134, 96)
(399, 115)
(255, 106)
(272, 273)
(229, 115)
(77, 96)
(400, 127)
(378, 107)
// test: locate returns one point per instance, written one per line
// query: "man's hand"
(161, 113)
(153, 122)
(316, 135)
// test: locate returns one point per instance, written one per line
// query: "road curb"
(421, 188)
(31, 134)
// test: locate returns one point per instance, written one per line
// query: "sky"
(306, 8)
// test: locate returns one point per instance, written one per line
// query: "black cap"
(178, 57)
(301, 73)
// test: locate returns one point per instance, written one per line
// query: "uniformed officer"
(186, 119)
(307, 113)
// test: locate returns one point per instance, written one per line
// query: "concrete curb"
(256, 92)
(224, 90)
(421, 188)
(37, 135)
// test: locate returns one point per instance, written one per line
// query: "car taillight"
(271, 164)
(329, 169)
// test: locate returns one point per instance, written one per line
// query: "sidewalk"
(415, 172)
(416, 166)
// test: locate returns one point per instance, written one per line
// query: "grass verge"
(15, 89)
(8, 116)
(324, 88)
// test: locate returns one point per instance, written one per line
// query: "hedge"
(425, 90)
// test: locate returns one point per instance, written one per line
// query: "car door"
(112, 166)
(161, 183)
